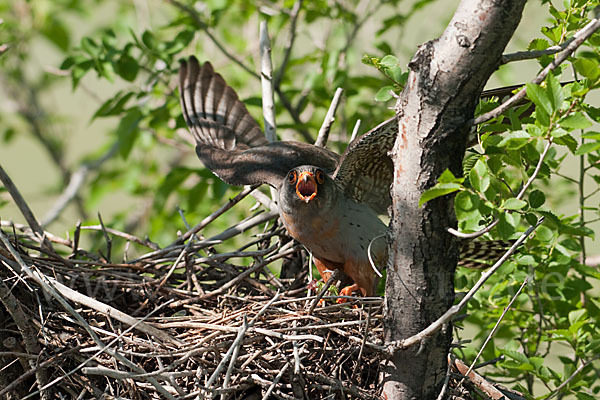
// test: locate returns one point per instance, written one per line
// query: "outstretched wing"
(366, 171)
(229, 141)
(212, 110)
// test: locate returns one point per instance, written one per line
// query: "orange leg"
(347, 291)
(324, 267)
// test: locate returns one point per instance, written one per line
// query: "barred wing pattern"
(229, 141)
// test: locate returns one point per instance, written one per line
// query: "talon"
(347, 291)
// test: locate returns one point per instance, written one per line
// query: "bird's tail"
(482, 254)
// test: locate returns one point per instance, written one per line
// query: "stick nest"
(194, 332)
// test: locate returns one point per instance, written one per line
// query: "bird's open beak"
(306, 187)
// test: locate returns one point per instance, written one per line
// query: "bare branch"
(329, 119)
(23, 206)
(290, 43)
(494, 329)
(577, 41)
(266, 78)
(76, 180)
(584, 364)
(528, 55)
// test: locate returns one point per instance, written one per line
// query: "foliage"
(146, 157)
(558, 307)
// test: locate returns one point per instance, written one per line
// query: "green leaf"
(514, 140)
(554, 92)
(448, 177)
(587, 148)
(384, 94)
(537, 198)
(56, 32)
(591, 135)
(514, 204)
(588, 67)
(479, 176)
(127, 67)
(516, 355)
(149, 40)
(505, 226)
(577, 316)
(575, 121)
(539, 97)
(172, 181)
(128, 131)
(389, 61)
(567, 140)
(113, 106)
(438, 191)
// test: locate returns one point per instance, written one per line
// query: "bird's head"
(304, 186)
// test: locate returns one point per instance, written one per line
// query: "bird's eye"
(320, 175)
(292, 176)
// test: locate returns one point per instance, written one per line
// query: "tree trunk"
(446, 77)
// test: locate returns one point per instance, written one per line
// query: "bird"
(328, 202)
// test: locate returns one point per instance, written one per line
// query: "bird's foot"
(347, 291)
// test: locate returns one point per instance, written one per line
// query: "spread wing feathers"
(366, 171)
(229, 141)
(212, 110)
(482, 254)
(264, 164)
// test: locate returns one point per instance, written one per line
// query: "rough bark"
(446, 77)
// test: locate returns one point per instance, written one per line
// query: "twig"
(521, 193)
(275, 381)
(493, 332)
(200, 24)
(266, 78)
(31, 234)
(50, 286)
(290, 43)
(528, 55)
(557, 390)
(285, 251)
(362, 345)
(237, 344)
(355, 130)
(127, 236)
(240, 337)
(202, 224)
(479, 381)
(23, 207)
(586, 32)
(537, 169)
(334, 277)
(12, 305)
(106, 237)
(446, 381)
(76, 180)
(392, 347)
(329, 119)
